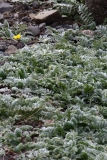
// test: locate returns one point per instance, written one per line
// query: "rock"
(98, 8)
(42, 25)
(11, 49)
(47, 16)
(35, 4)
(34, 29)
(67, 26)
(5, 7)
(88, 32)
(2, 46)
(26, 6)
(64, 26)
(1, 53)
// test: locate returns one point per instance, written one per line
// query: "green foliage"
(53, 98)
(8, 32)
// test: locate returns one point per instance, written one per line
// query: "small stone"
(47, 16)
(42, 25)
(88, 32)
(2, 46)
(66, 26)
(1, 53)
(5, 7)
(26, 6)
(34, 29)
(35, 4)
(11, 49)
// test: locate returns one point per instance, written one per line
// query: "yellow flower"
(18, 36)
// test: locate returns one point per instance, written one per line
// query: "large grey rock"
(47, 17)
(5, 7)
(98, 8)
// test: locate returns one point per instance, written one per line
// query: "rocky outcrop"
(98, 8)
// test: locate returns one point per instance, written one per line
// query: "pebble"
(67, 26)
(1, 53)
(11, 49)
(34, 29)
(88, 32)
(3, 46)
(26, 6)
(35, 4)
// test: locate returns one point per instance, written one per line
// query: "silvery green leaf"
(6, 24)
(101, 156)
(18, 132)
(2, 152)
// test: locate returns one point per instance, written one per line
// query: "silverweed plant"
(53, 97)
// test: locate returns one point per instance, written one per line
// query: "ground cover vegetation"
(53, 94)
